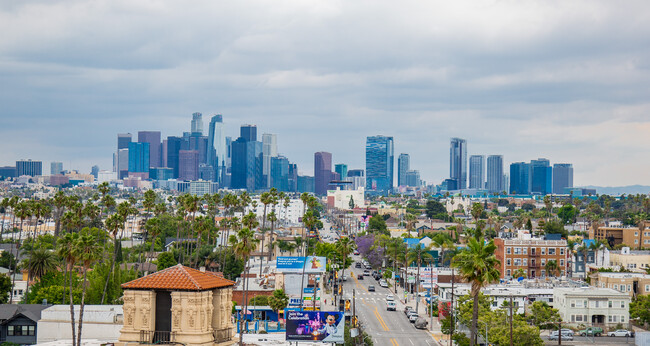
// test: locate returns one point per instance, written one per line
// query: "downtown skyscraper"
(562, 177)
(403, 166)
(322, 172)
(541, 177)
(379, 164)
(476, 172)
(495, 173)
(217, 150)
(458, 162)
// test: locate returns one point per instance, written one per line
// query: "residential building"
(458, 162)
(29, 167)
(629, 236)
(139, 157)
(188, 162)
(197, 123)
(322, 172)
(342, 170)
(153, 138)
(634, 260)
(56, 168)
(562, 178)
(476, 172)
(600, 307)
(495, 173)
(520, 178)
(18, 322)
(379, 164)
(586, 256)
(541, 177)
(531, 255)
(633, 284)
(403, 165)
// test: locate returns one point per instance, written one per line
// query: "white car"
(345, 278)
(390, 306)
(390, 298)
(620, 332)
(383, 283)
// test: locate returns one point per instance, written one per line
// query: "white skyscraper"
(269, 150)
(197, 123)
(217, 153)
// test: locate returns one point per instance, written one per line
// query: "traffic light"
(347, 305)
(340, 289)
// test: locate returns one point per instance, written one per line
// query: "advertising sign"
(294, 264)
(324, 326)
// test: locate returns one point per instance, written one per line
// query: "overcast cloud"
(565, 80)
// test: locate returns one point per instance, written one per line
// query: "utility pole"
(559, 336)
(354, 311)
(431, 296)
(511, 320)
(451, 309)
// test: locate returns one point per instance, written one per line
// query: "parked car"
(345, 278)
(596, 331)
(371, 288)
(620, 332)
(407, 309)
(420, 323)
(556, 335)
(360, 276)
(390, 298)
(383, 283)
(391, 306)
(413, 316)
(567, 331)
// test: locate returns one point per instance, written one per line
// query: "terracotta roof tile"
(179, 277)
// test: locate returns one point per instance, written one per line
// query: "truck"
(595, 331)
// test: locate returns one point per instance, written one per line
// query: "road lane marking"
(359, 285)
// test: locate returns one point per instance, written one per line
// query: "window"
(616, 287)
(508, 251)
(525, 251)
(508, 272)
(543, 262)
(647, 288)
(573, 303)
(573, 318)
(622, 304)
(609, 303)
(629, 288)
(636, 234)
(636, 241)
(508, 261)
(551, 251)
(561, 251)
(517, 251)
(622, 318)
(517, 261)
(543, 251)
(622, 288)
(578, 318)
(20, 330)
(561, 263)
(525, 261)
(609, 318)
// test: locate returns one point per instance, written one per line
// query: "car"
(383, 283)
(356, 252)
(595, 331)
(357, 265)
(366, 272)
(620, 332)
(360, 276)
(413, 316)
(407, 309)
(567, 331)
(371, 288)
(555, 335)
(420, 323)
(345, 278)
(391, 306)
(390, 297)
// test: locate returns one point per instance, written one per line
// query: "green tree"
(551, 268)
(436, 210)
(543, 315)
(567, 214)
(244, 243)
(640, 308)
(40, 262)
(5, 287)
(377, 224)
(165, 260)
(418, 255)
(279, 300)
(87, 251)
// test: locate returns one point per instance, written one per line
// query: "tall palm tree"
(41, 261)
(22, 211)
(65, 250)
(114, 224)
(87, 251)
(418, 255)
(244, 243)
(478, 266)
(397, 249)
(272, 217)
(345, 246)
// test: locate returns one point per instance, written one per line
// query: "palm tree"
(244, 243)
(87, 251)
(397, 249)
(153, 228)
(22, 211)
(65, 250)
(552, 268)
(478, 266)
(345, 246)
(418, 254)
(41, 261)
(114, 224)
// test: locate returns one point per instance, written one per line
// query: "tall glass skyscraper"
(476, 169)
(29, 167)
(269, 150)
(197, 123)
(519, 178)
(139, 157)
(280, 173)
(458, 162)
(562, 177)
(322, 172)
(541, 177)
(153, 138)
(217, 147)
(342, 170)
(403, 166)
(495, 173)
(247, 160)
(379, 164)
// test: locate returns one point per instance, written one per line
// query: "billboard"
(324, 326)
(294, 264)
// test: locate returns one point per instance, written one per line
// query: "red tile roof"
(179, 278)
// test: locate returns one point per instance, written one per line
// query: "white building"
(592, 306)
(101, 322)
(340, 199)
(500, 295)
(289, 215)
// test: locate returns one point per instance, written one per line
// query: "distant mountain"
(619, 190)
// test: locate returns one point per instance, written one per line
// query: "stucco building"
(530, 255)
(633, 284)
(591, 306)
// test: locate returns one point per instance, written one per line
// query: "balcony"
(151, 337)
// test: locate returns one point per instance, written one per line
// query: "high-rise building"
(458, 162)
(322, 172)
(188, 165)
(412, 178)
(495, 173)
(279, 173)
(248, 133)
(56, 168)
(476, 172)
(123, 140)
(541, 177)
(403, 166)
(342, 170)
(246, 171)
(197, 123)
(217, 150)
(123, 163)
(358, 177)
(379, 164)
(95, 171)
(174, 146)
(7, 172)
(269, 150)
(305, 184)
(293, 177)
(29, 167)
(562, 177)
(138, 157)
(519, 178)
(153, 138)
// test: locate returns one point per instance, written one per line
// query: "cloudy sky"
(565, 80)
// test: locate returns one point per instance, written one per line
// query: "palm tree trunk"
(13, 276)
(74, 342)
(473, 330)
(110, 274)
(245, 310)
(81, 309)
(65, 278)
(262, 254)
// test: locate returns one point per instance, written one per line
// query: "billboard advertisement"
(324, 326)
(294, 264)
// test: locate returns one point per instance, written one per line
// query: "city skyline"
(565, 81)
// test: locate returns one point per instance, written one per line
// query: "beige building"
(631, 283)
(629, 236)
(634, 260)
(178, 305)
(591, 306)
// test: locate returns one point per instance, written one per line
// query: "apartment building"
(630, 236)
(634, 260)
(631, 283)
(591, 306)
(531, 255)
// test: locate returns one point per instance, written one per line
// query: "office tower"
(29, 167)
(495, 173)
(206, 172)
(95, 171)
(188, 165)
(56, 168)
(305, 184)
(519, 178)
(322, 172)
(7, 172)
(358, 178)
(458, 162)
(403, 165)
(541, 177)
(412, 178)
(174, 145)
(138, 157)
(269, 150)
(562, 177)
(379, 164)
(476, 169)
(342, 170)
(279, 173)
(217, 147)
(123, 140)
(246, 170)
(153, 138)
(161, 173)
(293, 177)
(163, 153)
(123, 163)
(197, 123)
